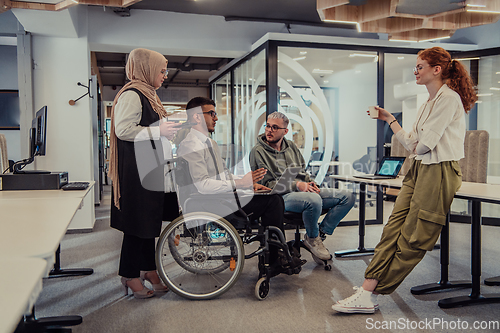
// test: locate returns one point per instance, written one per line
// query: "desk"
(19, 289)
(477, 193)
(33, 225)
(393, 183)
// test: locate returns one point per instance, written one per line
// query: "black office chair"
(295, 219)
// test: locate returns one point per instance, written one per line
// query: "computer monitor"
(39, 123)
(38, 138)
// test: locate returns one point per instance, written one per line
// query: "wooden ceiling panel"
(393, 25)
(381, 16)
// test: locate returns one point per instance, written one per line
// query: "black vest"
(141, 210)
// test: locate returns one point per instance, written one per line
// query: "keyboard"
(75, 186)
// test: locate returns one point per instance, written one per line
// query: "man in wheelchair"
(216, 184)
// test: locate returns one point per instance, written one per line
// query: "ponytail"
(453, 73)
(460, 81)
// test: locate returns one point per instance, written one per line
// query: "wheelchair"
(201, 254)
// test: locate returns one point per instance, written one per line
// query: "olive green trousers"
(415, 223)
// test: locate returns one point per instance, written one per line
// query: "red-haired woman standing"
(437, 144)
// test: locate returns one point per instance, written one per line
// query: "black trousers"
(270, 208)
(138, 254)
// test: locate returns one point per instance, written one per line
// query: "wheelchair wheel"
(262, 288)
(199, 255)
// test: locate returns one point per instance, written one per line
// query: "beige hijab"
(143, 67)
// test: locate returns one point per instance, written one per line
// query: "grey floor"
(298, 303)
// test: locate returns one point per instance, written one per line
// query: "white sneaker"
(316, 246)
(362, 301)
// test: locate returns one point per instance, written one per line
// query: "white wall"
(59, 64)
(8, 81)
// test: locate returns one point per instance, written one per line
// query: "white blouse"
(128, 114)
(440, 125)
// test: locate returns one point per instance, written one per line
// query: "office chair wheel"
(199, 255)
(262, 288)
(322, 262)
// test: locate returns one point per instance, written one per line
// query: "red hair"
(453, 73)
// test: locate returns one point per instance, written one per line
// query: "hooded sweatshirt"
(276, 162)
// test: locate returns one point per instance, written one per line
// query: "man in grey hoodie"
(275, 153)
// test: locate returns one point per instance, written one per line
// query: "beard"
(275, 140)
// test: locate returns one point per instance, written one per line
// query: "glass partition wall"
(325, 90)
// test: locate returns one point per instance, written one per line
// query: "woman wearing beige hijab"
(137, 118)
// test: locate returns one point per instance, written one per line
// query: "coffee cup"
(373, 112)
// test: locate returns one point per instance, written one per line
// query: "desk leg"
(58, 272)
(443, 284)
(361, 248)
(475, 297)
(48, 324)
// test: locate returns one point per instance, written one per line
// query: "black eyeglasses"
(274, 128)
(213, 114)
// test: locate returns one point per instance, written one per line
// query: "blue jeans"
(338, 203)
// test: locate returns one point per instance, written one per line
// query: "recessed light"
(299, 58)
(362, 55)
(289, 80)
(326, 81)
(482, 95)
(401, 58)
(303, 52)
(494, 88)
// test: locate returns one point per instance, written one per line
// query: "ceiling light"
(362, 55)
(473, 58)
(299, 58)
(303, 52)
(472, 5)
(401, 58)
(494, 88)
(322, 71)
(483, 11)
(402, 40)
(358, 26)
(481, 95)
(433, 39)
(326, 81)
(497, 73)
(289, 80)
(223, 94)
(283, 95)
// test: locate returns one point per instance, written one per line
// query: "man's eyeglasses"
(418, 69)
(274, 128)
(213, 114)
(164, 72)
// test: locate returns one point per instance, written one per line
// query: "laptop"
(282, 185)
(388, 168)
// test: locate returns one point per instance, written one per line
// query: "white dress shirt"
(440, 126)
(194, 149)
